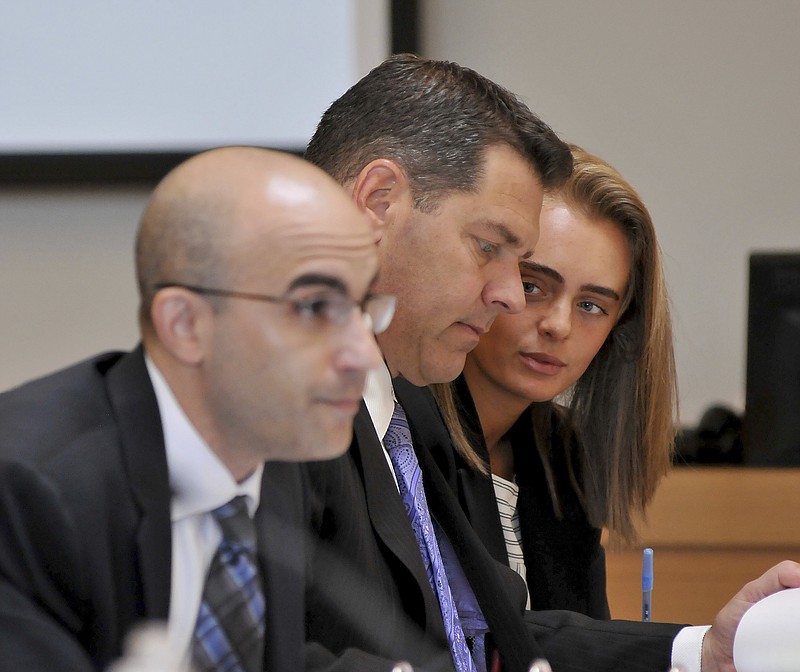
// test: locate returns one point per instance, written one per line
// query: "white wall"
(66, 273)
(697, 104)
(67, 286)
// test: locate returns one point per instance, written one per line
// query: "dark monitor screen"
(772, 403)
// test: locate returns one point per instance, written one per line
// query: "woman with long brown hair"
(564, 418)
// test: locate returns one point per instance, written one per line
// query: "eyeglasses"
(328, 307)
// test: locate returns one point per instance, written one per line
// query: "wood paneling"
(712, 531)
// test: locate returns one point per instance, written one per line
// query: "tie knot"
(400, 448)
(235, 522)
(398, 434)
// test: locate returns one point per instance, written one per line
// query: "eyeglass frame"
(386, 302)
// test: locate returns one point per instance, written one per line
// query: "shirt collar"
(199, 481)
(379, 398)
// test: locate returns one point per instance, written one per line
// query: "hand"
(540, 665)
(717, 655)
(402, 666)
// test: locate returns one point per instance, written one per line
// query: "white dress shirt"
(380, 399)
(200, 483)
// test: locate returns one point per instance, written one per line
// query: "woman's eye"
(592, 308)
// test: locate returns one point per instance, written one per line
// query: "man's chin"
(335, 444)
(328, 446)
(443, 370)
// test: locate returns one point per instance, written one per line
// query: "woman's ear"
(178, 315)
(382, 189)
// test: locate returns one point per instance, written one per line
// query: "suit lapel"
(386, 510)
(143, 453)
(281, 539)
(480, 504)
(476, 490)
(388, 515)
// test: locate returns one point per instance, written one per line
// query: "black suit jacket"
(369, 601)
(85, 531)
(564, 558)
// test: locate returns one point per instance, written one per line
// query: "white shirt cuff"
(687, 648)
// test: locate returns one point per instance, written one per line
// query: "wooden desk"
(712, 530)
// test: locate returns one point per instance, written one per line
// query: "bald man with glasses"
(159, 484)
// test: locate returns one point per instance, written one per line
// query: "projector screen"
(140, 76)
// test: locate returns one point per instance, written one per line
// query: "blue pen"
(647, 584)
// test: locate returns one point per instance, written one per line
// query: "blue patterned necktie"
(229, 634)
(409, 479)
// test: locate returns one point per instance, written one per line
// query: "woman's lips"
(543, 363)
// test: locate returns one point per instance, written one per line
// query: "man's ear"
(178, 317)
(382, 189)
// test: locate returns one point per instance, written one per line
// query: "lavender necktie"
(229, 634)
(409, 479)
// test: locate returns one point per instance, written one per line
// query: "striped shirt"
(506, 494)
